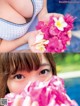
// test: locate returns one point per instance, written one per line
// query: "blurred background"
(72, 7)
(68, 68)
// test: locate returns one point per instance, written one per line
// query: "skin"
(14, 12)
(23, 5)
(17, 82)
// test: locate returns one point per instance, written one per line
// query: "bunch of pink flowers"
(54, 35)
(50, 93)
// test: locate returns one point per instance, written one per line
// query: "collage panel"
(39, 79)
(43, 26)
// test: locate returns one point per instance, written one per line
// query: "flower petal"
(39, 37)
(55, 19)
(64, 24)
(61, 19)
(40, 47)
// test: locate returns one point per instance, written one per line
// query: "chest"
(17, 11)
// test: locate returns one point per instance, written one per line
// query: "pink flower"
(56, 31)
(64, 39)
(53, 31)
(54, 42)
(70, 20)
(40, 25)
(45, 93)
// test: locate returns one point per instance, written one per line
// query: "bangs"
(13, 62)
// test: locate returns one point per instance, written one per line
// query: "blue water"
(72, 86)
(73, 9)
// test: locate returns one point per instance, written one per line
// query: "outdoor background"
(72, 7)
(68, 68)
(68, 63)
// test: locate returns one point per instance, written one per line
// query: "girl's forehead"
(44, 59)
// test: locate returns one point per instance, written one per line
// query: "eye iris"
(43, 72)
(19, 76)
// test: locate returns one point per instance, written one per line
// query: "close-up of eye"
(18, 76)
(44, 71)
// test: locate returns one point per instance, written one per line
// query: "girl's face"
(17, 82)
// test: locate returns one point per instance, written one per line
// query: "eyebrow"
(45, 64)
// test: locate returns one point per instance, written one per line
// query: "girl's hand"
(31, 42)
(46, 16)
(8, 46)
(26, 102)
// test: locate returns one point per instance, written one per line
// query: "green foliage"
(67, 61)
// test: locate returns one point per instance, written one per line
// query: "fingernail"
(27, 101)
(68, 43)
(17, 101)
(28, 98)
(35, 103)
(18, 97)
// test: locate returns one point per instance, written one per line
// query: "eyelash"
(18, 75)
(44, 70)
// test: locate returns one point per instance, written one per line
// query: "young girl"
(17, 22)
(18, 70)
(21, 68)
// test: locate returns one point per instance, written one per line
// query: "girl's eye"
(45, 71)
(18, 76)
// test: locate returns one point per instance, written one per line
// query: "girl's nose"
(31, 79)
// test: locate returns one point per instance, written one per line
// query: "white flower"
(41, 42)
(45, 41)
(60, 23)
(39, 37)
(40, 47)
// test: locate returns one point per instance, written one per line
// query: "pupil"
(43, 72)
(19, 76)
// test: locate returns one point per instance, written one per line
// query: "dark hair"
(10, 63)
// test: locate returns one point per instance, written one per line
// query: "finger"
(31, 34)
(69, 34)
(35, 103)
(17, 101)
(27, 101)
(34, 50)
(58, 15)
